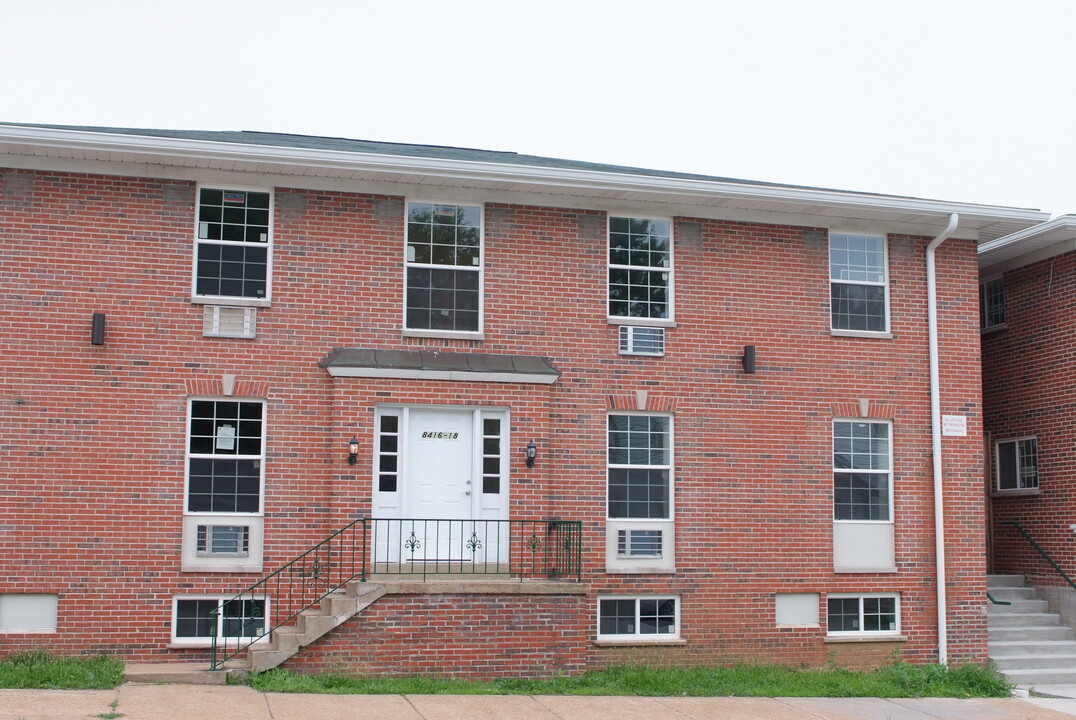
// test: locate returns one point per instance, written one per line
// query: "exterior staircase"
(334, 609)
(1027, 643)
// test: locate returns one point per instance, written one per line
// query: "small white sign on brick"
(954, 426)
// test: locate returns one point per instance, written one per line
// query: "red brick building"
(1027, 293)
(713, 397)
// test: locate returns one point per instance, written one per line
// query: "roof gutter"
(935, 438)
(300, 160)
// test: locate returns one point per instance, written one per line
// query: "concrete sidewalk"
(186, 702)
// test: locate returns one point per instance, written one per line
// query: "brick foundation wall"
(471, 636)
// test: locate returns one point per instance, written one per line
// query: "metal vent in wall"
(637, 340)
(224, 321)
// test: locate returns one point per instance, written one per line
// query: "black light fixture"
(749, 359)
(352, 450)
(532, 453)
(97, 331)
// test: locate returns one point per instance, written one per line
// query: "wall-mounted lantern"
(352, 450)
(749, 359)
(532, 453)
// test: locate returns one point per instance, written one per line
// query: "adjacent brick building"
(726, 384)
(1028, 289)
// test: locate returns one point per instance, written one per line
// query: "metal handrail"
(297, 585)
(1042, 552)
(994, 600)
(546, 549)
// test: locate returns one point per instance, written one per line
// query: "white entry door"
(442, 472)
(439, 478)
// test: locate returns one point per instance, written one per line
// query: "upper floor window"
(226, 450)
(640, 268)
(444, 267)
(861, 470)
(640, 466)
(234, 240)
(1016, 465)
(991, 303)
(857, 275)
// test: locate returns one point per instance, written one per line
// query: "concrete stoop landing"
(1027, 642)
(335, 609)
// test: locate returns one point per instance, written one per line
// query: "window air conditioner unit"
(223, 541)
(222, 321)
(636, 340)
(638, 543)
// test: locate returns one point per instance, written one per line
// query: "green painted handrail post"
(215, 613)
(1042, 552)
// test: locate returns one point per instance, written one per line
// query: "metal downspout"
(935, 437)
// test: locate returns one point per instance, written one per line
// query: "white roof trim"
(1031, 244)
(154, 149)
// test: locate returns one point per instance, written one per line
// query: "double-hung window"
(225, 456)
(444, 268)
(1016, 464)
(640, 528)
(863, 614)
(861, 471)
(857, 281)
(640, 269)
(234, 240)
(640, 467)
(991, 303)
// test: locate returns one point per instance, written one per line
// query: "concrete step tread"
(174, 672)
(993, 581)
(1040, 677)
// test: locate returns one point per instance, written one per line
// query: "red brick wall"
(94, 436)
(1028, 391)
(475, 636)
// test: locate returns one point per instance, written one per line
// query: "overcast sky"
(964, 100)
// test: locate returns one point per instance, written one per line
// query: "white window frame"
(861, 633)
(191, 559)
(638, 637)
(1021, 486)
(886, 329)
(888, 472)
(670, 319)
(665, 562)
(234, 300)
(206, 640)
(188, 456)
(985, 306)
(669, 467)
(476, 334)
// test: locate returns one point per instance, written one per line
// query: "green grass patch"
(38, 669)
(896, 680)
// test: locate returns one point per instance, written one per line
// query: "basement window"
(638, 618)
(196, 620)
(863, 615)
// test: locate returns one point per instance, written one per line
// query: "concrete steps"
(334, 610)
(1027, 643)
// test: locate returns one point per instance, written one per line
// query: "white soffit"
(1029, 245)
(982, 222)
